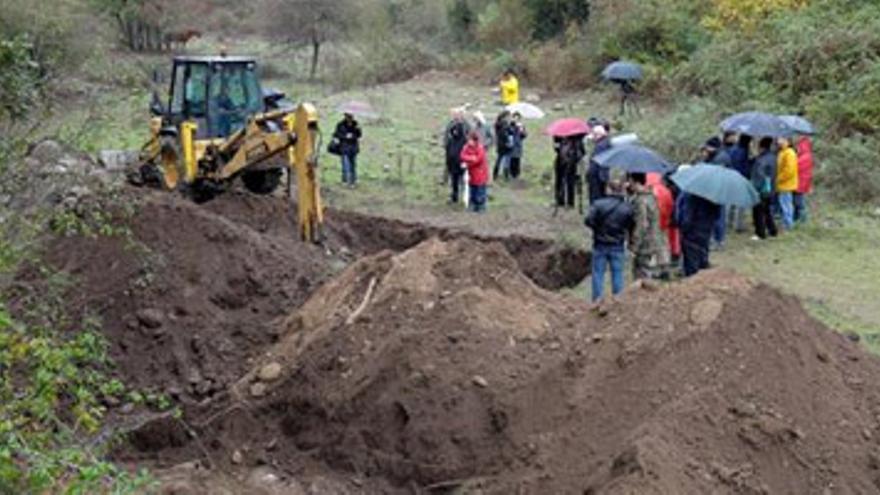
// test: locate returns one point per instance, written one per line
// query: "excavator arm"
(303, 161)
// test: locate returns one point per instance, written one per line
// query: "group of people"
(463, 136)
(664, 227)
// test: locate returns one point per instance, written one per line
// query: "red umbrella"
(567, 127)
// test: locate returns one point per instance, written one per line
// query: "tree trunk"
(316, 53)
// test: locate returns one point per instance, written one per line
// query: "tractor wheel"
(262, 182)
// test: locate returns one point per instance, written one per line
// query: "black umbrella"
(623, 71)
(756, 124)
(633, 158)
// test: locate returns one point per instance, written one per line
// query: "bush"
(849, 169)
(556, 65)
(19, 77)
(504, 25)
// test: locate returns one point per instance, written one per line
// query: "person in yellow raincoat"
(509, 88)
(786, 180)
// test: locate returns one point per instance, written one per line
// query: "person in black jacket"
(764, 179)
(569, 152)
(612, 220)
(348, 133)
(454, 139)
(696, 217)
(503, 145)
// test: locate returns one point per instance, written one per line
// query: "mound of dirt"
(444, 369)
(192, 295)
(187, 298)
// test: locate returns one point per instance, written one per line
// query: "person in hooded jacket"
(473, 158)
(805, 178)
(348, 133)
(666, 207)
(597, 176)
(786, 180)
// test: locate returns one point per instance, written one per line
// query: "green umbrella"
(718, 184)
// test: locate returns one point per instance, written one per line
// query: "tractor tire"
(263, 182)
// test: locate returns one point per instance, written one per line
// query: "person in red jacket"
(473, 157)
(805, 178)
(666, 205)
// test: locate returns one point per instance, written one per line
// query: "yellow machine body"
(179, 160)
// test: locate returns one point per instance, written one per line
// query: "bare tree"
(309, 22)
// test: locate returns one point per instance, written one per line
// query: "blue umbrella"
(756, 124)
(633, 158)
(799, 124)
(623, 71)
(718, 184)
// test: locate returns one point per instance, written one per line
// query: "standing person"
(611, 219)
(597, 176)
(454, 140)
(518, 131)
(569, 152)
(737, 148)
(503, 145)
(628, 96)
(805, 178)
(646, 242)
(509, 86)
(696, 217)
(473, 157)
(786, 180)
(487, 137)
(348, 133)
(666, 208)
(764, 179)
(713, 153)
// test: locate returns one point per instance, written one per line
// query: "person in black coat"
(696, 217)
(569, 152)
(454, 139)
(348, 134)
(503, 145)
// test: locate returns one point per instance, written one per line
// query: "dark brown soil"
(193, 294)
(455, 373)
(443, 368)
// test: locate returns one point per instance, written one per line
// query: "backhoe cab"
(218, 124)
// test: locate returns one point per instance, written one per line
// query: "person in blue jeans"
(348, 133)
(612, 220)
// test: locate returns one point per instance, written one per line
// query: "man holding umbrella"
(705, 190)
(568, 143)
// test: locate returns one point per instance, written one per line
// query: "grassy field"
(828, 263)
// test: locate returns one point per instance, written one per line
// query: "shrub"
(849, 169)
(504, 25)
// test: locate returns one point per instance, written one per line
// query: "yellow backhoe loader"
(219, 125)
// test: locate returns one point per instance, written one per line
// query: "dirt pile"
(443, 369)
(187, 298)
(193, 293)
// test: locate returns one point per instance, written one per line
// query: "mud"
(407, 359)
